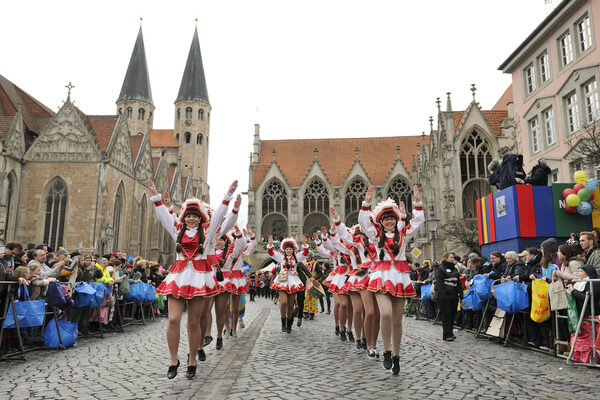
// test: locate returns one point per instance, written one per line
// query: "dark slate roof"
(193, 83)
(136, 85)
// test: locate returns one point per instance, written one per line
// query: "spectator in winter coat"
(587, 241)
(514, 266)
(569, 262)
(532, 266)
(539, 174)
(448, 291)
(498, 265)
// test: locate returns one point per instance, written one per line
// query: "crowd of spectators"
(573, 263)
(37, 265)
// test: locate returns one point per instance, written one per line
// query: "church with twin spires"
(79, 181)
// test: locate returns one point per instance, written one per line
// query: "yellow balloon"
(573, 200)
(580, 177)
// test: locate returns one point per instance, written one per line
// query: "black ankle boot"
(219, 343)
(299, 323)
(395, 365)
(337, 331)
(387, 359)
(343, 335)
(172, 372)
(283, 325)
(191, 371)
(290, 322)
(350, 337)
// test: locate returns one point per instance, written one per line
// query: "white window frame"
(565, 49)
(534, 132)
(548, 117)
(583, 28)
(554, 176)
(592, 105)
(572, 112)
(544, 67)
(575, 165)
(530, 84)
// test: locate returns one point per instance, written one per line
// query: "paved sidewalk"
(309, 363)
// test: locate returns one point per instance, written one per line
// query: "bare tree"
(586, 145)
(462, 233)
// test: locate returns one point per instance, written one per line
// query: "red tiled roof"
(162, 138)
(6, 106)
(36, 107)
(5, 123)
(502, 103)
(103, 127)
(136, 142)
(493, 117)
(336, 156)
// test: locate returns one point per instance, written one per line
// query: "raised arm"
(340, 227)
(162, 212)
(418, 216)
(217, 217)
(364, 216)
(301, 256)
(239, 244)
(275, 255)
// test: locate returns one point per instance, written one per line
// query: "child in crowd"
(37, 284)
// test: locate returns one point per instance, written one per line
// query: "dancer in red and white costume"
(287, 282)
(333, 260)
(234, 281)
(191, 278)
(389, 278)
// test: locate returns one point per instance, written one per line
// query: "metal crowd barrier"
(80, 315)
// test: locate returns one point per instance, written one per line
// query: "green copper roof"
(193, 83)
(136, 85)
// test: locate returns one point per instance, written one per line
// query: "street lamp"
(432, 224)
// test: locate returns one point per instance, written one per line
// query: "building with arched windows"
(294, 182)
(80, 181)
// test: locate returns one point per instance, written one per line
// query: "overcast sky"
(302, 69)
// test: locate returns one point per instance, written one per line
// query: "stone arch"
(56, 199)
(274, 224)
(274, 209)
(400, 190)
(313, 223)
(316, 197)
(473, 190)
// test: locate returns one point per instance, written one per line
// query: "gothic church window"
(199, 139)
(316, 198)
(129, 112)
(475, 155)
(353, 200)
(56, 207)
(178, 114)
(143, 217)
(274, 199)
(9, 203)
(188, 137)
(400, 190)
(188, 113)
(141, 114)
(200, 114)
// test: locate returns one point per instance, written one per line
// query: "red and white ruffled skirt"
(189, 283)
(293, 284)
(387, 278)
(234, 282)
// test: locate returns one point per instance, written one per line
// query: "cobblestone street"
(311, 362)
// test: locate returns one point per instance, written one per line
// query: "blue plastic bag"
(89, 294)
(471, 300)
(511, 296)
(483, 286)
(29, 313)
(55, 296)
(99, 295)
(68, 333)
(149, 293)
(426, 292)
(136, 292)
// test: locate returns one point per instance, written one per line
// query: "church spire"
(193, 83)
(136, 85)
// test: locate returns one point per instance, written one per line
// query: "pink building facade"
(556, 82)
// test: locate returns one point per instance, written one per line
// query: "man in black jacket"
(304, 275)
(498, 265)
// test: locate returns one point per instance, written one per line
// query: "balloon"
(568, 191)
(592, 196)
(573, 200)
(570, 209)
(584, 194)
(580, 177)
(584, 208)
(578, 187)
(591, 184)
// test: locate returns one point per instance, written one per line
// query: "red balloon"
(568, 191)
(578, 187)
(591, 196)
(570, 209)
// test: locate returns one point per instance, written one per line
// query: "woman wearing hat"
(287, 282)
(390, 274)
(191, 278)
